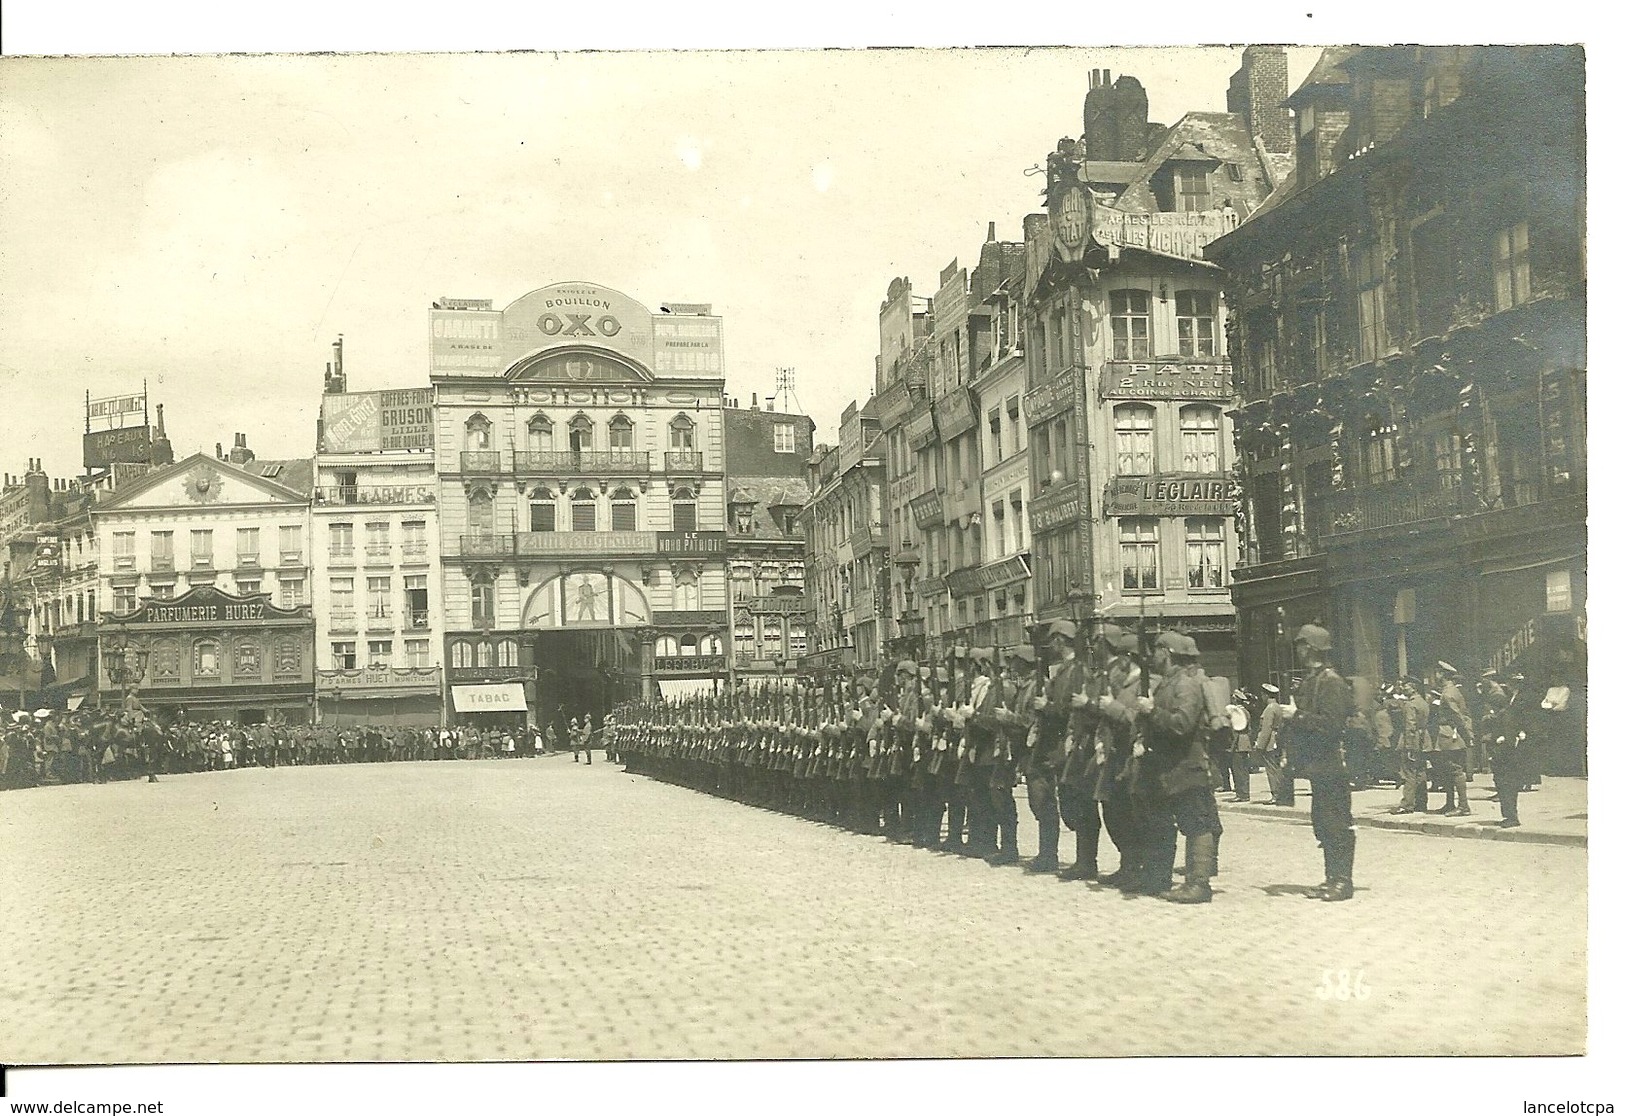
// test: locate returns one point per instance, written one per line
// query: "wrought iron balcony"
(1401, 504)
(485, 546)
(580, 461)
(685, 461)
(481, 461)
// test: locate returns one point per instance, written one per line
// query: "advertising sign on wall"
(1170, 234)
(1050, 398)
(368, 421)
(955, 414)
(465, 340)
(126, 444)
(1121, 380)
(1060, 506)
(1170, 494)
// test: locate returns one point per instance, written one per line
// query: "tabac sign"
(1170, 494)
(1121, 380)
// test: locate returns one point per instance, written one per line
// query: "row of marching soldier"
(1115, 739)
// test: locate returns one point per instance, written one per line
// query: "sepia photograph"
(517, 559)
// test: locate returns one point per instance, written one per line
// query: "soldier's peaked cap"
(1447, 668)
(1270, 688)
(981, 654)
(1024, 654)
(1064, 629)
(908, 666)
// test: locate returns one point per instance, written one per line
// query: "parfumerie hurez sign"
(206, 605)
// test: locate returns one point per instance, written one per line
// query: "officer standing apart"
(1315, 718)
(1271, 742)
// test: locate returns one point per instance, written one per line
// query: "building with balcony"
(1409, 313)
(900, 406)
(1002, 617)
(51, 572)
(375, 570)
(579, 458)
(768, 625)
(848, 550)
(205, 565)
(1129, 458)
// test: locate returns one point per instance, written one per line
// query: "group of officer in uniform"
(1105, 733)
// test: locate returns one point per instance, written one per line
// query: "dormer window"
(1191, 193)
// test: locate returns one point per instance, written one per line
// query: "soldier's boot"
(1462, 810)
(1084, 866)
(1328, 856)
(1339, 886)
(1049, 843)
(1199, 859)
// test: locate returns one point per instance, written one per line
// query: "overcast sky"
(211, 224)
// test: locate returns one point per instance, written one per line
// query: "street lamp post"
(125, 666)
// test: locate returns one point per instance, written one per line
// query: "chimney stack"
(753, 405)
(1257, 94)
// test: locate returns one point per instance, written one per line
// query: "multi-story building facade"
(375, 572)
(1004, 617)
(900, 407)
(1131, 502)
(52, 570)
(579, 456)
(1409, 313)
(848, 548)
(768, 625)
(204, 566)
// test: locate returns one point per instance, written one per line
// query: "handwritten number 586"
(1340, 984)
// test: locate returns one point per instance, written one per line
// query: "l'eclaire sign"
(1170, 495)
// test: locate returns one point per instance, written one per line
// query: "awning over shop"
(673, 688)
(489, 697)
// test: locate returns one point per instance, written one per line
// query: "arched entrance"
(588, 649)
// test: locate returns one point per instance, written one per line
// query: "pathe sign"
(1122, 380)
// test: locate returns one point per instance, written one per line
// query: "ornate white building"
(578, 448)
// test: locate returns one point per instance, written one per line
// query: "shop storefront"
(214, 656)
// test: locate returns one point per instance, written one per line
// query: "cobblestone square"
(532, 910)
